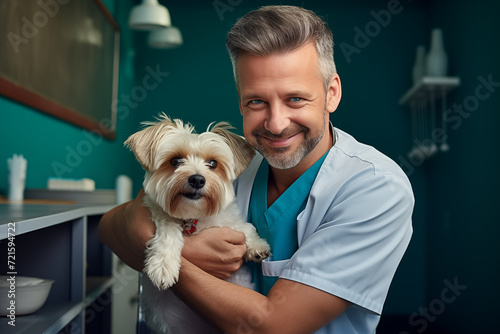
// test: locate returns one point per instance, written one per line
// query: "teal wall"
(463, 222)
(455, 226)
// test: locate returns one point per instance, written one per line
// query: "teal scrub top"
(278, 223)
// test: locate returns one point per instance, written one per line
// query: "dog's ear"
(144, 143)
(243, 152)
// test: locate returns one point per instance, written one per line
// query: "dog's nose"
(196, 181)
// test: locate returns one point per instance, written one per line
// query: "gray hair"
(282, 29)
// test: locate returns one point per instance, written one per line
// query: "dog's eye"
(212, 164)
(176, 161)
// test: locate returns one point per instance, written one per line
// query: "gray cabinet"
(59, 242)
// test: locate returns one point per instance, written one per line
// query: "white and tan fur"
(188, 176)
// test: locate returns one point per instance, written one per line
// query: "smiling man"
(286, 110)
(336, 212)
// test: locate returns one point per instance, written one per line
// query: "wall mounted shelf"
(429, 121)
(426, 86)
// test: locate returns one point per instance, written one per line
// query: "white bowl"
(21, 295)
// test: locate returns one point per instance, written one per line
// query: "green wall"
(463, 223)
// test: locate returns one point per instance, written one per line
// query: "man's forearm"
(225, 304)
(290, 307)
(115, 232)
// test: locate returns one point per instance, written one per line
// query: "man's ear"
(243, 152)
(144, 143)
(333, 94)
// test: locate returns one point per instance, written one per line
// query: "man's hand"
(218, 250)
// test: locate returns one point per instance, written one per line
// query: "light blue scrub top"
(278, 223)
(351, 234)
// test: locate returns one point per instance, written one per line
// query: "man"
(336, 213)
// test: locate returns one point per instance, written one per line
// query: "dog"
(188, 187)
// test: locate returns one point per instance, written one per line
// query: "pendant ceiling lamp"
(149, 15)
(166, 38)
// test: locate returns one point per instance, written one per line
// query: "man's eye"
(212, 164)
(256, 102)
(296, 99)
(176, 161)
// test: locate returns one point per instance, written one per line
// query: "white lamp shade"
(166, 38)
(149, 15)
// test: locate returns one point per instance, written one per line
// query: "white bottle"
(437, 60)
(123, 189)
(418, 70)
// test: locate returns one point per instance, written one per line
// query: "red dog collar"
(190, 226)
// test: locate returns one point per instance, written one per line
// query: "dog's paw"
(162, 276)
(258, 251)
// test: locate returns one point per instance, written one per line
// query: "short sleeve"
(358, 245)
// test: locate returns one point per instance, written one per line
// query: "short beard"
(278, 158)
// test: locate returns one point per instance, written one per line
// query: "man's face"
(284, 105)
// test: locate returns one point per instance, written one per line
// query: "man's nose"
(277, 119)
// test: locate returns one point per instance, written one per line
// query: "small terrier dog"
(188, 187)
